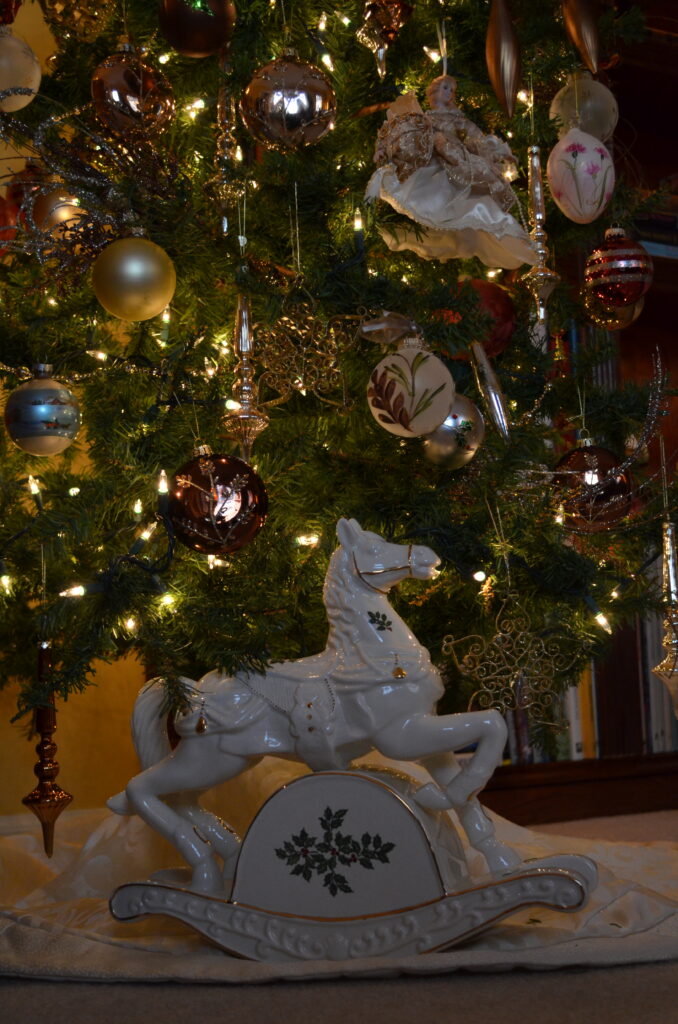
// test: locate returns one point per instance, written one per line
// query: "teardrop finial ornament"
(502, 54)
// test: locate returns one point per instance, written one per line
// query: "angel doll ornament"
(443, 172)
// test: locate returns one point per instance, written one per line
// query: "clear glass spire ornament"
(246, 421)
(539, 279)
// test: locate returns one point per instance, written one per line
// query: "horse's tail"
(149, 735)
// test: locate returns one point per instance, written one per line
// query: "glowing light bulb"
(33, 485)
(130, 624)
(137, 507)
(308, 540)
(232, 405)
(163, 486)
(97, 354)
(524, 97)
(6, 583)
(163, 58)
(167, 600)
(357, 220)
(560, 515)
(238, 154)
(493, 272)
(343, 18)
(327, 61)
(614, 595)
(322, 22)
(603, 621)
(432, 54)
(73, 491)
(148, 531)
(76, 591)
(480, 576)
(166, 315)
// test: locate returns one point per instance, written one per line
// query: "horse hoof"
(432, 797)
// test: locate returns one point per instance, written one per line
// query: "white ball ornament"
(581, 176)
(410, 391)
(586, 104)
(19, 68)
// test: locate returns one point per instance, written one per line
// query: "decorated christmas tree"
(270, 268)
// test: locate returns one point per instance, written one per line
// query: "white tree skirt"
(55, 922)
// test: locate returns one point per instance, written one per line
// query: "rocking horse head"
(379, 565)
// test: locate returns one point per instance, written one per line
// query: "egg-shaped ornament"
(131, 98)
(586, 104)
(459, 436)
(134, 279)
(410, 391)
(197, 28)
(619, 272)
(217, 503)
(42, 416)
(593, 493)
(19, 69)
(581, 176)
(289, 103)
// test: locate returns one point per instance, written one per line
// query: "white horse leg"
(182, 772)
(224, 840)
(431, 739)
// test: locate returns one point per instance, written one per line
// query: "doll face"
(442, 92)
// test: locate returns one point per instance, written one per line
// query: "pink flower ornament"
(581, 176)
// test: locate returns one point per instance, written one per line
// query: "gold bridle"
(362, 573)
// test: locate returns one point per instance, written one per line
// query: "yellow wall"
(93, 739)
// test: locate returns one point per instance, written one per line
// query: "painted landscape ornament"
(581, 176)
(42, 416)
(341, 863)
(410, 391)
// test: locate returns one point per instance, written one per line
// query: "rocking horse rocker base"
(340, 863)
(344, 865)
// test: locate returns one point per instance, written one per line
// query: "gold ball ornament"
(289, 103)
(134, 279)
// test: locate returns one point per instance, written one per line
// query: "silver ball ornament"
(459, 436)
(42, 416)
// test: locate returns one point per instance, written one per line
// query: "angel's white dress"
(443, 172)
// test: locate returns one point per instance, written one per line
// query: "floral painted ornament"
(410, 391)
(581, 176)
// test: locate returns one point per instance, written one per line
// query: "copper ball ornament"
(459, 436)
(57, 211)
(130, 97)
(619, 272)
(197, 28)
(593, 493)
(134, 279)
(19, 69)
(217, 503)
(42, 416)
(9, 214)
(289, 103)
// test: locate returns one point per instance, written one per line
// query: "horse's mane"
(336, 592)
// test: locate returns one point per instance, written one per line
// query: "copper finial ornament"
(48, 799)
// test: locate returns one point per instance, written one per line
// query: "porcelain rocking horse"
(374, 687)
